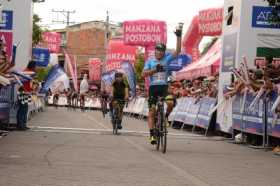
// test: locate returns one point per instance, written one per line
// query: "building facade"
(87, 40)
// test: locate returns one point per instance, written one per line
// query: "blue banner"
(191, 115)
(22, 75)
(108, 78)
(41, 56)
(7, 20)
(178, 63)
(261, 16)
(55, 72)
(6, 93)
(273, 124)
(253, 119)
(4, 111)
(236, 112)
(203, 118)
(183, 107)
(129, 72)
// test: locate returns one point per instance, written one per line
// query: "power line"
(66, 14)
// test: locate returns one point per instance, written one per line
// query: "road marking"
(14, 156)
(195, 181)
(106, 130)
(144, 132)
(109, 132)
(66, 128)
(95, 121)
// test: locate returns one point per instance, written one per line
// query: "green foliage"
(139, 65)
(37, 30)
(42, 73)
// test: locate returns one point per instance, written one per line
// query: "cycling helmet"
(118, 74)
(160, 47)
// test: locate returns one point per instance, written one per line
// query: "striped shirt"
(24, 98)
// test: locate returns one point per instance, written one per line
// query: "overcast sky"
(172, 11)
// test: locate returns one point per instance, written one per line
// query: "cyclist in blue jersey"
(157, 71)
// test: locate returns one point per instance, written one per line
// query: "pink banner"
(144, 32)
(94, 65)
(149, 52)
(191, 40)
(71, 69)
(117, 53)
(7, 38)
(53, 41)
(211, 21)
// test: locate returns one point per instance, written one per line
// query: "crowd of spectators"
(264, 78)
(198, 88)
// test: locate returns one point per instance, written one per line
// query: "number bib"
(159, 77)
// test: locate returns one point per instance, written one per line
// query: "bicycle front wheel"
(158, 139)
(158, 128)
(115, 121)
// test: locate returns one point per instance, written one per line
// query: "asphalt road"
(71, 148)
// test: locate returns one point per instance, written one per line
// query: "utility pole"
(107, 32)
(66, 14)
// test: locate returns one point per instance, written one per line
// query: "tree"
(42, 73)
(139, 65)
(37, 30)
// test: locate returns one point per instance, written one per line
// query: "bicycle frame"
(116, 116)
(161, 130)
(82, 102)
(103, 106)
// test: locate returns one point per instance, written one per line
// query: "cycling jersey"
(119, 89)
(159, 78)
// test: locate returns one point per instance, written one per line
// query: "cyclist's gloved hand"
(159, 68)
(178, 32)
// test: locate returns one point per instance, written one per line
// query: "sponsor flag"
(129, 72)
(73, 71)
(55, 72)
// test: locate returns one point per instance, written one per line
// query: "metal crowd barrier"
(8, 106)
(258, 120)
(195, 113)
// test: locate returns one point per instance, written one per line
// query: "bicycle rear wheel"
(158, 140)
(162, 130)
(163, 138)
(104, 110)
(115, 121)
(115, 127)
(158, 129)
